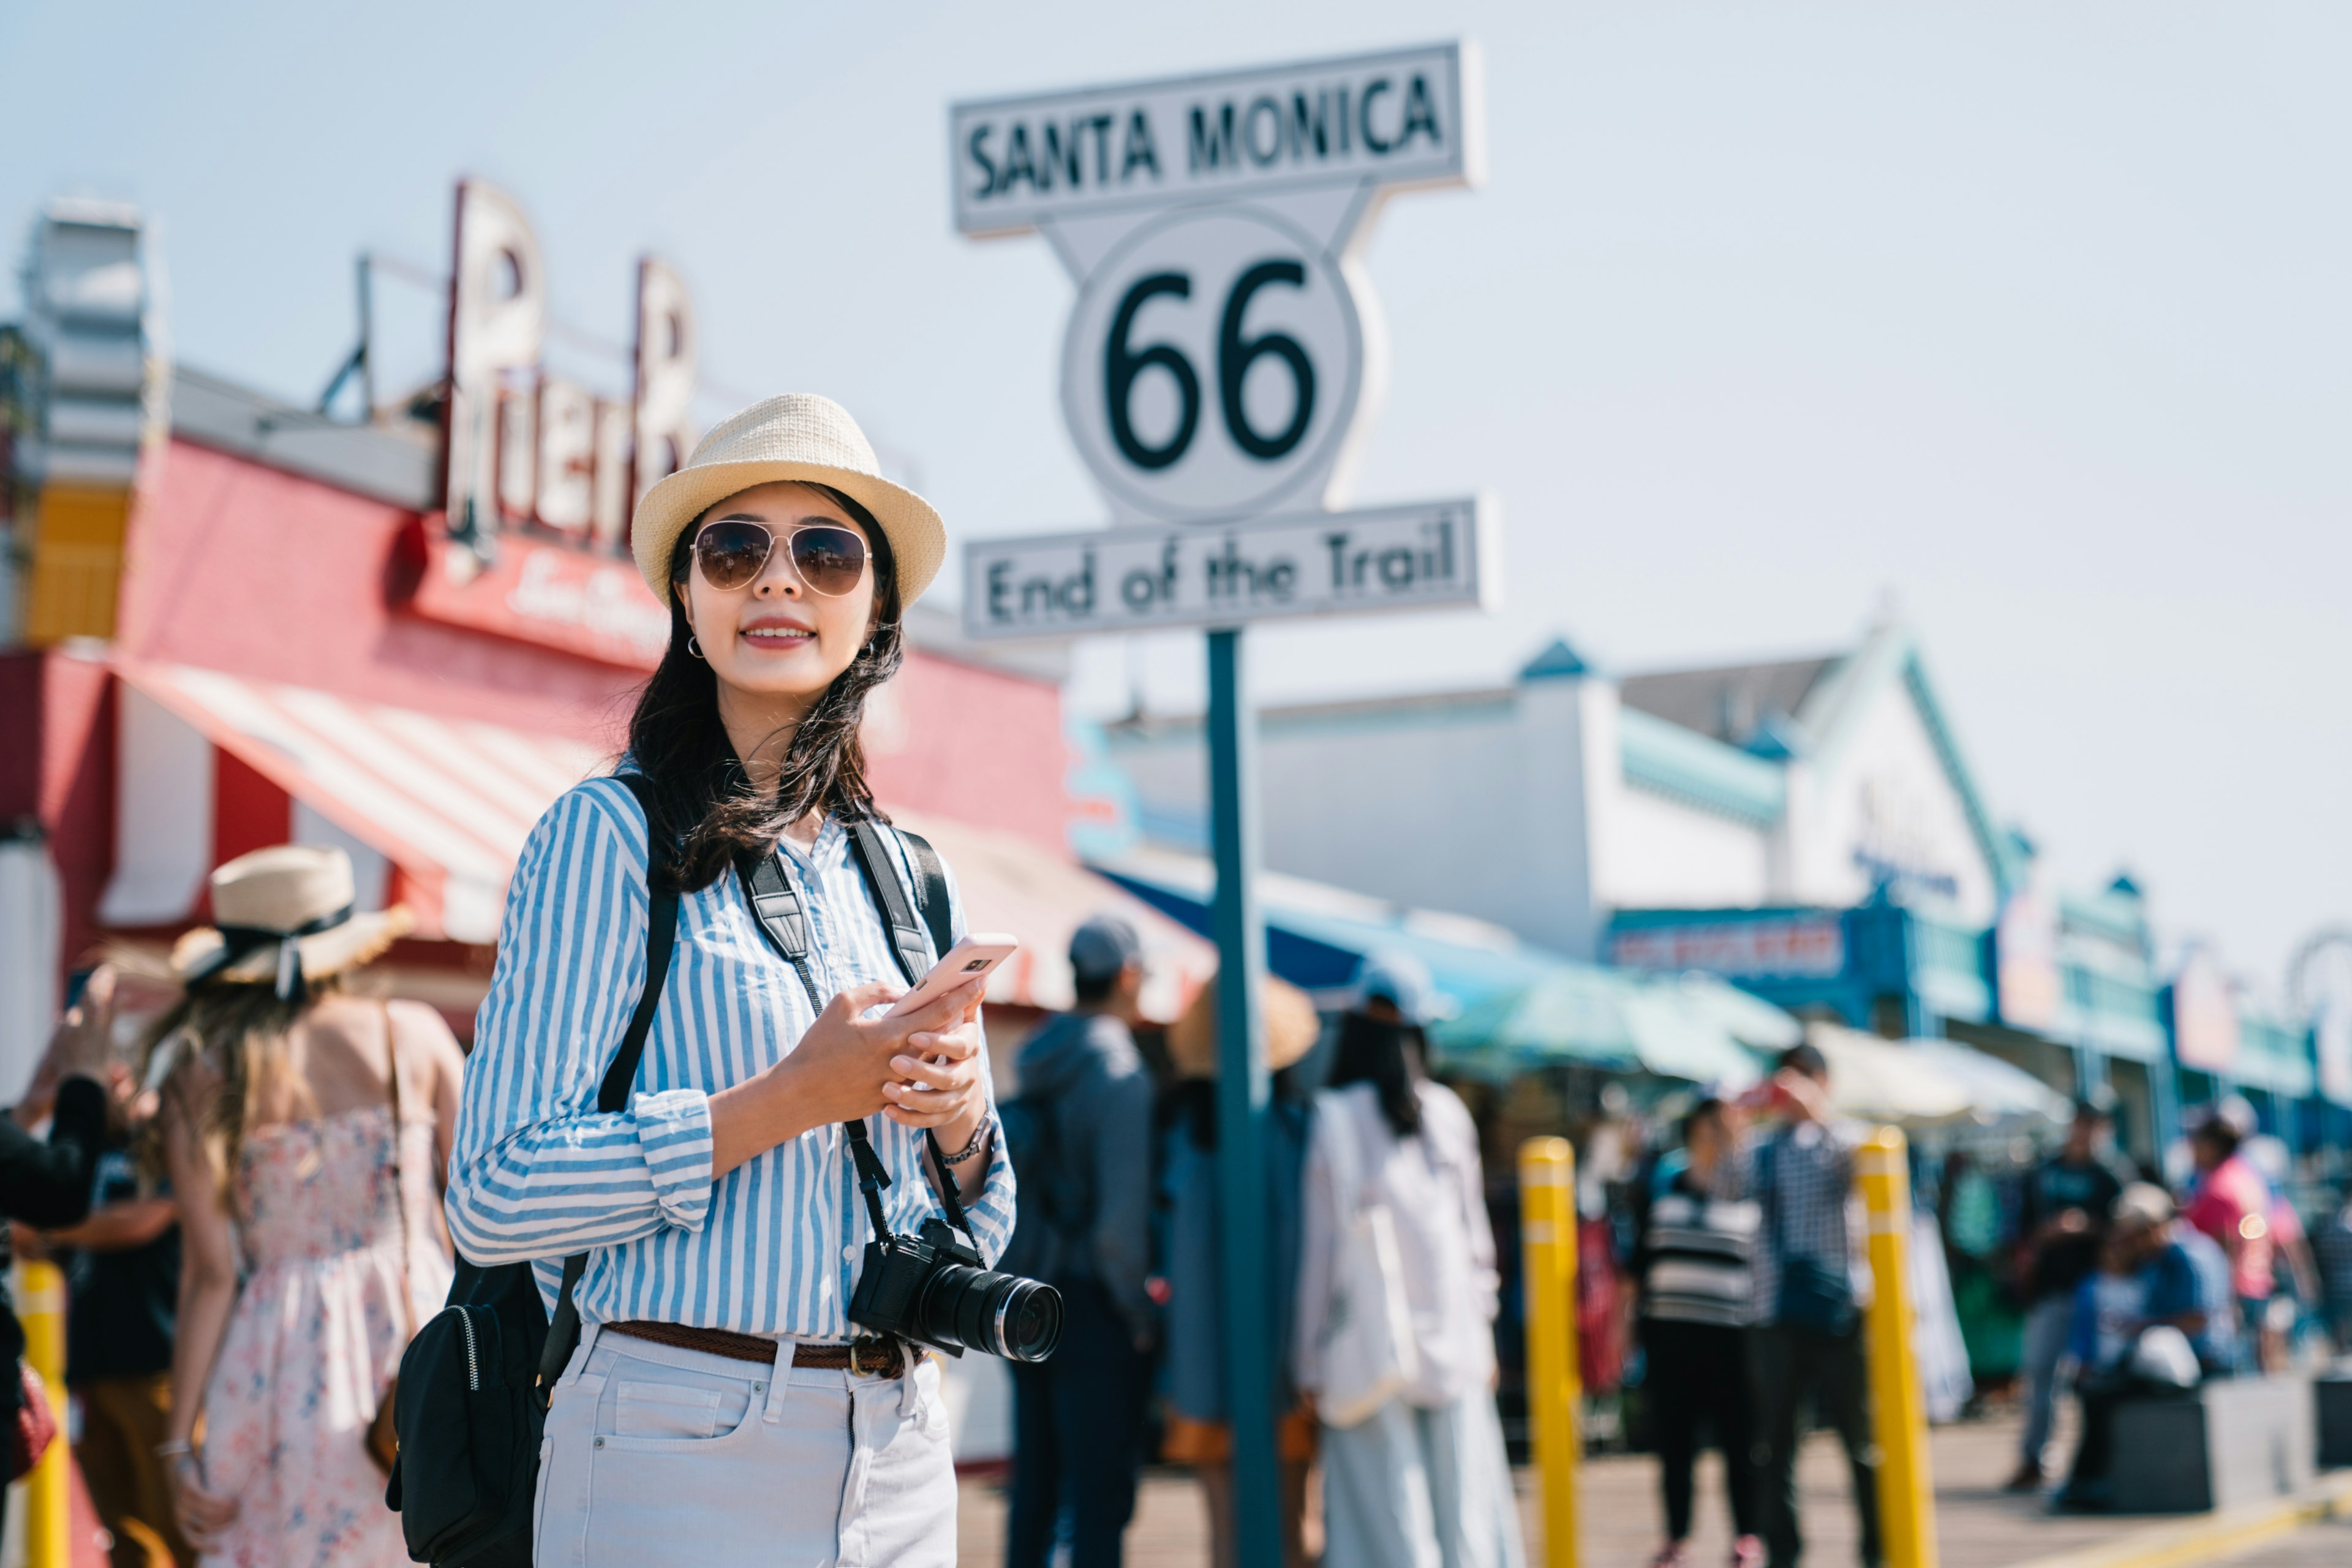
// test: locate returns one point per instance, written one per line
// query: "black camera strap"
(872, 1175)
(776, 903)
(915, 960)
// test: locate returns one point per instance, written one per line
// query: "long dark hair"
(705, 800)
(1387, 1056)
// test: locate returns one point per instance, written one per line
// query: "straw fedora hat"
(1291, 1029)
(285, 914)
(798, 435)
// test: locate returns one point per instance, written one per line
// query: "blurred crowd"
(2039, 1273)
(240, 1182)
(243, 1200)
(1378, 1305)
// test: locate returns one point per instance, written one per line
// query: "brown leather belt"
(870, 1355)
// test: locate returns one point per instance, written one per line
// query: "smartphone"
(975, 955)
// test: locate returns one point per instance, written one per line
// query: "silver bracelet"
(174, 1448)
(978, 1137)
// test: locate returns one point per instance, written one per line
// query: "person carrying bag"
(1394, 1335)
(719, 1212)
(302, 1129)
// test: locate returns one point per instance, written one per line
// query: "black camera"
(932, 1287)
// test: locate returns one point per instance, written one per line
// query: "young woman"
(304, 1130)
(721, 1408)
(1423, 1481)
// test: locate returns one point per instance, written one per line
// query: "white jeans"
(656, 1456)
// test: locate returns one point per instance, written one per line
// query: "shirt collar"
(832, 847)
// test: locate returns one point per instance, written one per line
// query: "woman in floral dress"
(306, 1131)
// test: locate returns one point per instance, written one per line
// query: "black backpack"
(472, 1402)
(470, 1406)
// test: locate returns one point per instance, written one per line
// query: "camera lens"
(1001, 1314)
(1029, 1320)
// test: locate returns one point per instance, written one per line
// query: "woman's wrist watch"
(979, 1141)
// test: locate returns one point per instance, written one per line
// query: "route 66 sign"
(1214, 367)
(1224, 353)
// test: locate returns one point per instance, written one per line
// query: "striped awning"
(435, 809)
(441, 805)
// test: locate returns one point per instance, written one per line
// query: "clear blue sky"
(2034, 316)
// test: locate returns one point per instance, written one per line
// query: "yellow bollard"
(1907, 1494)
(1548, 1270)
(48, 1490)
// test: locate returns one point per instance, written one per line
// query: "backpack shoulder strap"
(889, 890)
(873, 855)
(930, 890)
(661, 937)
(613, 1093)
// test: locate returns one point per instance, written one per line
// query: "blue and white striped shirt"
(774, 1245)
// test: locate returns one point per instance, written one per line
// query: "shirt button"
(849, 1253)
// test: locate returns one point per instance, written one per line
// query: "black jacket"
(46, 1185)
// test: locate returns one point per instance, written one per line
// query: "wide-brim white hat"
(797, 436)
(285, 911)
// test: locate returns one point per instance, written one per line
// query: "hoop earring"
(693, 646)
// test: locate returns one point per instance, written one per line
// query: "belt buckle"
(870, 1341)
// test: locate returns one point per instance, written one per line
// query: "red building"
(284, 667)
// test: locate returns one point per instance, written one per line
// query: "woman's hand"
(947, 1064)
(952, 1100)
(202, 1516)
(840, 1072)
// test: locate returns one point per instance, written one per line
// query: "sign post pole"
(1242, 1100)
(1222, 364)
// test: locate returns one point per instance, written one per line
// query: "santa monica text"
(1393, 118)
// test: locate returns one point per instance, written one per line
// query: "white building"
(1808, 828)
(1549, 805)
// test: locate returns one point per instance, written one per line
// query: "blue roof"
(1558, 659)
(1317, 949)
(1510, 1004)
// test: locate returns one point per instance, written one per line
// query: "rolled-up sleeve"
(538, 1171)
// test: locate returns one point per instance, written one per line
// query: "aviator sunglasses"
(733, 552)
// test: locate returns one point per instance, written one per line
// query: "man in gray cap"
(1083, 1226)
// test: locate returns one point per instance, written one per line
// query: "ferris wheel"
(2319, 989)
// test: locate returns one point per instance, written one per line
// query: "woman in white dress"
(1419, 1480)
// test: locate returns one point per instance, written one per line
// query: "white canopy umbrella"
(1927, 1082)
(1875, 1079)
(1744, 1016)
